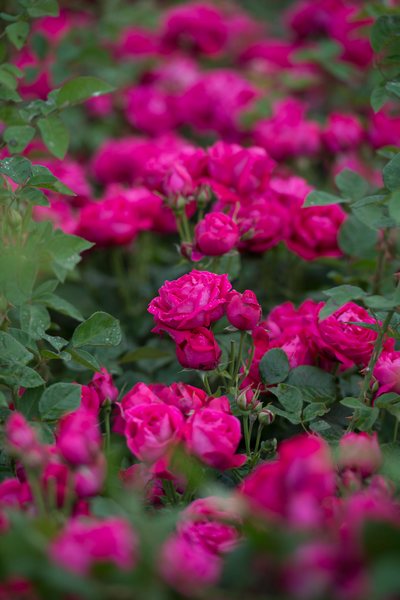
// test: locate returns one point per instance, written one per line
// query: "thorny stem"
(380, 265)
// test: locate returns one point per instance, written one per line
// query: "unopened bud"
(14, 218)
(266, 416)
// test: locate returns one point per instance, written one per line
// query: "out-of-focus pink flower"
(314, 231)
(188, 567)
(152, 430)
(214, 436)
(243, 310)
(197, 349)
(193, 300)
(79, 437)
(288, 133)
(295, 485)
(136, 42)
(102, 383)
(207, 107)
(196, 27)
(263, 223)
(387, 372)
(384, 128)
(119, 216)
(360, 452)
(245, 170)
(216, 234)
(342, 132)
(23, 442)
(84, 543)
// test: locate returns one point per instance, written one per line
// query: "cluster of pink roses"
(336, 340)
(187, 307)
(156, 418)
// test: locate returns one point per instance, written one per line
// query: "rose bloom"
(214, 436)
(314, 231)
(84, 543)
(152, 429)
(339, 337)
(263, 223)
(194, 300)
(360, 452)
(197, 349)
(189, 398)
(285, 318)
(79, 437)
(387, 372)
(188, 567)
(288, 133)
(246, 170)
(342, 132)
(216, 234)
(243, 310)
(197, 27)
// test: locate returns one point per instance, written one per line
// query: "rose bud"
(266, 416)
(216, 234)
(197, 349)
(243, 310)
(360, 452)
(178, 182)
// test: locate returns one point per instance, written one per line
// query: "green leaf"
(383, 30)
(65, 251)
(314, 410)
(394, 206)
(354, 403)
(59, 399)
(20, 375)
(391, 173)
(316, 385)
(17, 33)
(85, 359)
(393, 87)
(356, 238)
(80, 89)
(145, 353)
(34, 320)
(43, 8)
(54, 134)
(290, 397)
(34, 196)
(18, 137)
(12, 351)
(373, 211)
(60, 305)
(43, 178)
(101, 329)
(274, 366)
(351, 185)
(17, 168)
(319, 198)
(378, 98)
(28, 403)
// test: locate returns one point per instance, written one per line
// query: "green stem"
(207, 384)
(396, 430)
(365, 390)
(380, 265)
(108, 409)
(246, 434)
(170, 491)
(37, 494)
(258, 438)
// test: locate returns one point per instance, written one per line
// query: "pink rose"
(22, 441)
(89, 479)
(214, 437)
(246, 170)
(263, 223)
(189, 398)
(384, 128)
(194, 300)
(197, 349)
(189, 568)
(342, 132)
(360, 452)
(340, 338)
(83, 543)
(152, 429)
(198, 27)
(136, 42)
(216, 234)
(288, 133)
(178, 182)
(285, 318)
(102, 383)
(314, 231)
(387, 372)
(79, 437)
(243, 310)
(151, 109)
